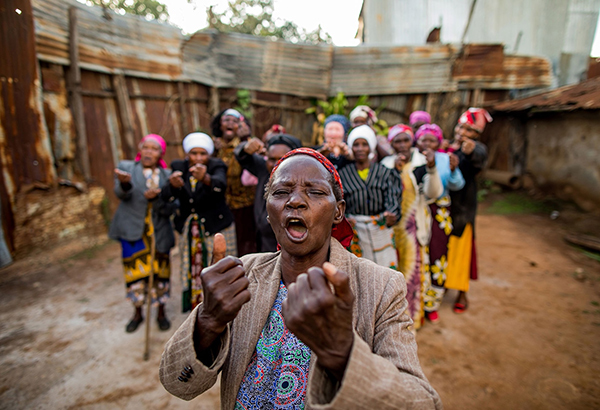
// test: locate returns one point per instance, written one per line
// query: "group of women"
(410, 203)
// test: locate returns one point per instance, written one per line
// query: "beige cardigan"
(383, 371)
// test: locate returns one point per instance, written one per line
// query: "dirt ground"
(530, 339)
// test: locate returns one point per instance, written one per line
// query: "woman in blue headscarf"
(335, 148)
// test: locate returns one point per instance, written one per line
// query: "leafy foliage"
(149, 9)
(255, 17)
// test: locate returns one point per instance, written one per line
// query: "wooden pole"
(125, 113)
(214, 103)
(75, 92)
(462, 40)
(150, 287)
(184, 117)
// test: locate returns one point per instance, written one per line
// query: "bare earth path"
(530, 339)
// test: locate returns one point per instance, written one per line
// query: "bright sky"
(339, 18)
(596, 45)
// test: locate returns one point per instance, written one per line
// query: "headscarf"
(399, 129)
(198, 140)
(477, 118)
(419, 116)
(163, 148)
(363, 111)
(342, 231)
(432, 129)
(284, 139)
(338, 118)
(233, 113)
(365, 132)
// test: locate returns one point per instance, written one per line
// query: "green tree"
(149, 9)
(255, 17)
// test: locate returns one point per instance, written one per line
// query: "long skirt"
(462, 260)
(373, 240)
(196, 254)
(411, 256)
(436, 269)
(136, 266)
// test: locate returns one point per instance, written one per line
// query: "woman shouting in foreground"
(309, 326)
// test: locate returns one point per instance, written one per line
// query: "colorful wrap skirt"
(196, 253)
(136, 265)
(373, 240)
(436, 269)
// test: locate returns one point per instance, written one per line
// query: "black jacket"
(257, 165)
(206, 201)
(464, 202)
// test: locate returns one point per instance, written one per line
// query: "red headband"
(342, 231)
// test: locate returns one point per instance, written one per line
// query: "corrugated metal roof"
(140, 48)
(243, 61)
(392, 70)
(127, 44)
(582, 96)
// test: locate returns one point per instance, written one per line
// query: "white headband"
(365, 132)
(198, 140)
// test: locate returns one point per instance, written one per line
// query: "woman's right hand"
(253, 146)
(225, 288)
(122, 176)
(176, 180)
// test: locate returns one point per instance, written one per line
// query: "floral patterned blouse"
(277, 375)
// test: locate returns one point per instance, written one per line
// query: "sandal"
(433, 317)
(459, 308)
(133, 324)
(163, 323)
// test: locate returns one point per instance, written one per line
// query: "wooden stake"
(125, 113)
(184, 117)
(75, 92)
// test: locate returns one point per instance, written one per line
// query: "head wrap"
(198, 140)
(432, 129)
(277, 129)
(476, 118)
(233, 113)
(342, 231)
(419, 116)
(363, 111)
(365, 132)
(399, 129)
(284, 139)
(338, 118)
(163, 148)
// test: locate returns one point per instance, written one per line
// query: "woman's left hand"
(390, 219)
(198, 171)
(321, 317)
(430, 156)
(151, 193)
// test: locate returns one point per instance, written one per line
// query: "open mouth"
(296, 229)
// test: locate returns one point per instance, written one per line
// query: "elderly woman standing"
(240, 197)
(334, 147)
(142, 221)
(417, 119)
(472, 155)
(420, 183)
(198, 184)
(430, 137)
(373, 194)
(311, 326)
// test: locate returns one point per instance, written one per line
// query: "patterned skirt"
(136, 266)
(410, 262)
(436, 270)
(196, 253)
(373, 240)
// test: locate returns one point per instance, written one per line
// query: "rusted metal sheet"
(582, 96)
(392, 70)
(25, 151)
(108, 42)
(255, 63)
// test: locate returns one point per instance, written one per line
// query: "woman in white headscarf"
(372, 194)
(198, 182)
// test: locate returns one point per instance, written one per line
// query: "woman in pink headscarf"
(472, 154)
(142, 216)
(420, 184)
(419, 118)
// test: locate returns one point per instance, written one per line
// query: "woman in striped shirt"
(372, 194)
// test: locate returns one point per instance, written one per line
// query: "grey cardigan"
(128, 222)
